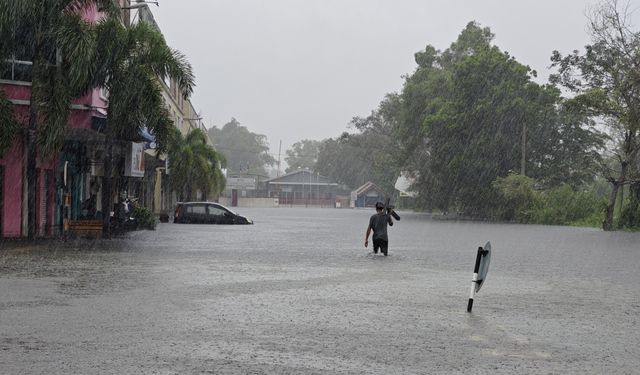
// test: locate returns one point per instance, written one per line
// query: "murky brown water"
(298, 293)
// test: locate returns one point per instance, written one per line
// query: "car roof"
(192, 203)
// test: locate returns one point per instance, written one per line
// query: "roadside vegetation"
(195, 166)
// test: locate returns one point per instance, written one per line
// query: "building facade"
(302, 188)
(367, 195)
(64, 181)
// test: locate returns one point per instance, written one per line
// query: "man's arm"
(366, 236)
(390, 220)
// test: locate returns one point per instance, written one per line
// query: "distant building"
(367, 195)
(303, 188)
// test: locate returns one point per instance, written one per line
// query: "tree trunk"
(107, 182)
(31, 168)
(188, 197)
(634, 192)
(621, 202)
(608, 216)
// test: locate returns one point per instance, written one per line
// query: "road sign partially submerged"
(480, 270)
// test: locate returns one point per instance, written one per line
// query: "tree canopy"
(302, 155)
(195, 166)
(245, 152)
(129, 63)
(370, 153)
(472, 113)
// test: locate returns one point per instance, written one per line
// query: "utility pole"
(279, 151)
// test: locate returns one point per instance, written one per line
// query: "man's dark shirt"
(378, 223)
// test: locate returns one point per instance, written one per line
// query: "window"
(216, 211)
(199, 209)
(19, 65)
(16, 70)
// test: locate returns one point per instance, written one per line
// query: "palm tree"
(195, 165)
(53, 35)
(129, 63)
(8, 125)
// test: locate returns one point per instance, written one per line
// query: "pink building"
(53, 196)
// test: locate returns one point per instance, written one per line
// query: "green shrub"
(519, 201)
(564, 206)
(145, 219)
(516, 198)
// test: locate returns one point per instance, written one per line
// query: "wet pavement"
(297, 293)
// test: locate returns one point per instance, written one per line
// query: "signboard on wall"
(134, 160)
(241, 183)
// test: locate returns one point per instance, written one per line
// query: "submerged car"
(207, 213)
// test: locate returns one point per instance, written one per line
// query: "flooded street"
(297, 293)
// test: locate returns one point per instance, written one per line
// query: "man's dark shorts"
(381, 244)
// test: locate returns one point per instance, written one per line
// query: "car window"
(197, 209)
(216, 211)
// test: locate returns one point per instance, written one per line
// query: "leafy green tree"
(51, 34)
(565, 147)
(606, 81)
(129, 62)
(474, 135)
(378, 144)
(245, 152)
(471, 114)
(195, 165)
(302, 155)
(341, 160)
(370, 154)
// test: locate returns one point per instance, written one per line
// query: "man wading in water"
(378, 223)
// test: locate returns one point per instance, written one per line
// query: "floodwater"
(297, 293)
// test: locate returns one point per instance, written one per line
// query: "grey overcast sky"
(301, 69)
